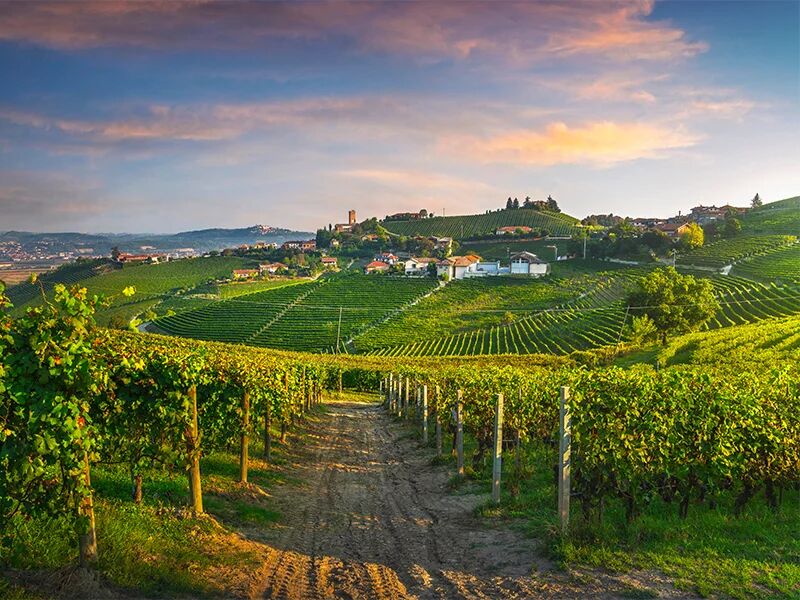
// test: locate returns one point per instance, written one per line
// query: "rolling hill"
(466, 226)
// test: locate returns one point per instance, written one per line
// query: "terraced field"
(303, 316)
(69, 274)
(594, 318)
(726, 252)
(782, 217)
(474, 225)
(597, 319)
(783, 264)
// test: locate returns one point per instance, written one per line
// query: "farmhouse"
(270, 268)
(672, 230)
(408, 216)
(329, 262)
(526, 263)
(245, 273)
(418, 266)
(377, 266)
(458, 267)
(386, 257)
(511, 230)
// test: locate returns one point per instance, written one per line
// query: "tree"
(756, 202)
(516, 203)
(675, 303)
(115, 253)
(527, 203)
(733, 227)
(692, 236)
(552, 205)
(509, 203)
(432, 272)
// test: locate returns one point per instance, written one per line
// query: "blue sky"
(151, 116)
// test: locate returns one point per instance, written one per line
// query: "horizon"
(238, 111)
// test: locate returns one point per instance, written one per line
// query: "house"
(377, 266)
(335, 243)
(527, 263)
(386, 257)
(292, 245)
(458, 267)
(308, 245)
(271, 268)
(442, 243)
(511, 230)
(369, 237)
(329, 262)
(418, 266)
(673, 230)
(408, 216)
(245, 273)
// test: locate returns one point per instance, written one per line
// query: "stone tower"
(351, 216)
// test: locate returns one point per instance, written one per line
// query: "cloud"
(29, 199)
(601, 143)
(522, 32)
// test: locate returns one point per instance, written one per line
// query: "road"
(371, 517)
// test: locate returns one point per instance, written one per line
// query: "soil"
(371, 517)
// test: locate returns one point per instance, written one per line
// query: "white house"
(418, 266)
(526, 263)
(458, 267)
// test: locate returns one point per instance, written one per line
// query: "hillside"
(466, 226)
(781, 217)
(307, 316)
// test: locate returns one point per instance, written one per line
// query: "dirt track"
(372, 519)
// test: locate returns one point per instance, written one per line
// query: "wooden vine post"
(564, 456)
(268, 429)
(438, 423)
(87, 539)
(245, 439)
(497, 462)
(460, 433)
(399, 396)
(425, 414)
(407, 396)
(193, 452)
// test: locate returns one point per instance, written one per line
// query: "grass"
(155, 548)
(711, 552)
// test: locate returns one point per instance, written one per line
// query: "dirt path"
(373, 519)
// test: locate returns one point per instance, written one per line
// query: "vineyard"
(726, 252)
(308, 316)
(69, 274)
(782, 217)
(156, 404)
(461, 227)
(783, 264)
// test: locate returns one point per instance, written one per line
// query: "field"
(726, 252)
(69, 274)
(783, 264)
(461, 227)
(501, 249)
(781, 217)
(308, 316)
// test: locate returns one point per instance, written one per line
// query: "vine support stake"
(245, 439)
(407, 397)
(460, 433)
(267, 432)
(193, 449)
(564, 458)
(87, 539)
(497, 462)
(438, 425)
(425, 414)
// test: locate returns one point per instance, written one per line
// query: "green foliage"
(693, 236)
(462, 227)
(725, 252)
(676, 303)
(782, 217)
(52, 379)
(782, 264)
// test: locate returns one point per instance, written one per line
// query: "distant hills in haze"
(202, 240)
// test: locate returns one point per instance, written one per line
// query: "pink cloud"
(520, 32)
(601, 143)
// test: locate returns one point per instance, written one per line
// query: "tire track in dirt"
(373, 519)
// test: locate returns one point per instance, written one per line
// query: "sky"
(168, 116)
